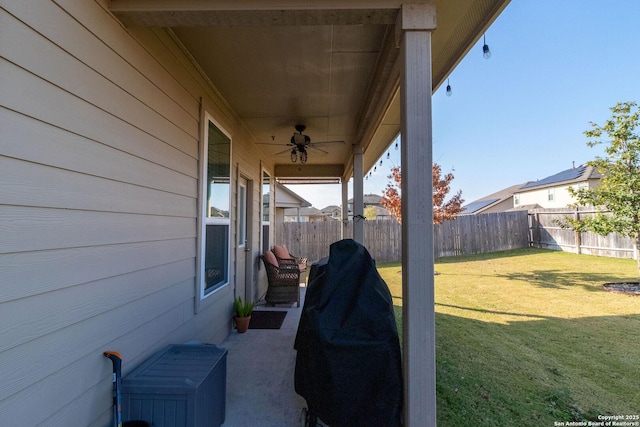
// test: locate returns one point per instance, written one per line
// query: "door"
(244, 266)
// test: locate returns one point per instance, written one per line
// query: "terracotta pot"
(242, 323)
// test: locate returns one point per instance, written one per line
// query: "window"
(216, 202)
(516, 199)
(266, 206)
(242, 215)
(550, 193)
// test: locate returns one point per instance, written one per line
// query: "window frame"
(265, 237)
(204, 219)
(242, 216)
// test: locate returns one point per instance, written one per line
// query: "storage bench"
(181, 386)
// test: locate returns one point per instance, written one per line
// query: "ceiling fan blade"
(326, 143)
(281, 144)
(316, 149)
(288, 150)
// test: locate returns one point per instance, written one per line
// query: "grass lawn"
(529, 338)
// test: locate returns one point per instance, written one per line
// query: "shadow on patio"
(260, 374)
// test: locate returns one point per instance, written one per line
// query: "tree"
(370, 212)
(441, 186)
(618, 195)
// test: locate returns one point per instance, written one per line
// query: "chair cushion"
(270, 258)
(281, 252)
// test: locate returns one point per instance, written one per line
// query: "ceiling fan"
(300, 143)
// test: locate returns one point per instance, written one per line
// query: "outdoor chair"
(285, 257)
(284, 280)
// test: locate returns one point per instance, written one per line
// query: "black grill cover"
(348, 363)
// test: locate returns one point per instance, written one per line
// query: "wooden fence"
(469, 234)
(545, 232)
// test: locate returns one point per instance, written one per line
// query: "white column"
(418, 305)
(345, 207)
(358, 196)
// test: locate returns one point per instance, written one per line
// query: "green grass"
(528, 337)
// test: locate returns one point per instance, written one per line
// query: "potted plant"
(242, 316)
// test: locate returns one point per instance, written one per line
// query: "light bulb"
(486, 53)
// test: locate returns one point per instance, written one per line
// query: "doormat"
(263, 319)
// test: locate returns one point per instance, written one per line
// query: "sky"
(519, 116)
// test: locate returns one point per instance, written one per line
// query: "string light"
(486, 53)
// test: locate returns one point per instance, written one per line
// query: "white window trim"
(203, 220)
(264, 238)
(242, 216)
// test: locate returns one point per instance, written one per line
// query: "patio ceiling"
(327, 64)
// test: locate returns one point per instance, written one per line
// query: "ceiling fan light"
(303, 156)
(294, 155)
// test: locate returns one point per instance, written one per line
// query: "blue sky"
(519, 116)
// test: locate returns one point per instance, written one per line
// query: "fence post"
(578, 237)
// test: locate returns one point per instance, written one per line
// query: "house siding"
(499, 207)
(99, 130)
(561, 196)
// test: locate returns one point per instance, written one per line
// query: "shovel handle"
(116, 360)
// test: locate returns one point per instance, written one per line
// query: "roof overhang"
(327, 64)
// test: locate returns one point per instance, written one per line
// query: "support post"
(345, 208)
(358, 196)
(418, 305)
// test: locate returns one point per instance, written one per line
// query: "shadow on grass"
(491, 255)
(502, 313)
(535, 372)
(560, 279)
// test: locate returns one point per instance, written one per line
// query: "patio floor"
(260, 370)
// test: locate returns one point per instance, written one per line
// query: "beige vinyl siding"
(99, 129)
(561, 196)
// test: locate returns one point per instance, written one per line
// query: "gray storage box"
(181, 386)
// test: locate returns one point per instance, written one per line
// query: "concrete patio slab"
(260, 375)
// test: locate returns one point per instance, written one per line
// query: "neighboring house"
(380, 212)
(368, 200)
(288, 204)
(332, 212)
(137, 140)
(499, 201)
(307, 214)
(553, 191)
(550, 192)
(374, 200)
